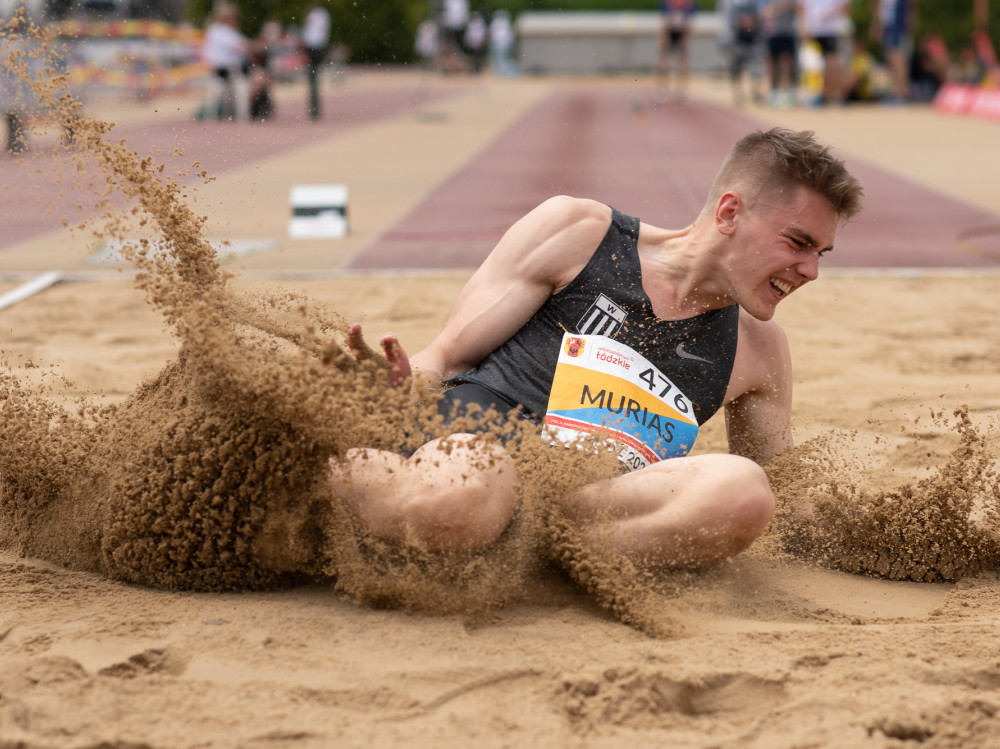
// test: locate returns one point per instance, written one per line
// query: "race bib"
(604, 388)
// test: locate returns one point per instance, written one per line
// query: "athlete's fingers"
(357, 344)
(399, 362)
(333, 355)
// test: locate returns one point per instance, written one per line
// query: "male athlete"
(588, 320)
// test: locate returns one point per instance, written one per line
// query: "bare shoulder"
(555, 240)
(761, 333)
(566, 221)
(763, 359)
(573, 212)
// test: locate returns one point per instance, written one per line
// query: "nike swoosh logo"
(685, 355)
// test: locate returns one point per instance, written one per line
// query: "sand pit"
(765, 651)
(772, 653)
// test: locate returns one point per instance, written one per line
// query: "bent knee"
(749, 499)
(465, 516)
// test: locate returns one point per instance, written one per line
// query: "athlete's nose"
(808, 267)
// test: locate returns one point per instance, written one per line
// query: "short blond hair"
(780, 159)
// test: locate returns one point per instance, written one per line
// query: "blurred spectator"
(968, 68)
(316, 45)
(262, 75)
(929, 66)
(781, 24)
(891, 22)
(227, 53)
(823, 22)
(987, 55)
(454, 18)
(20, 65)
(742, 24)
(861, 74)
(269, 41)
(674, 42)
(475, 40)
(502, 42)
(810, 73)
(426, 43)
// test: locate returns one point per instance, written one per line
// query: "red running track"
(658, 165)
(41, 188)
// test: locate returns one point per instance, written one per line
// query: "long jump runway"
(49, 189)
(656, 164)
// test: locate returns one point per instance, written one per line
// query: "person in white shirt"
(502, 40)
(316, 45)
(227, 53)
(822, 22)
(454, 19)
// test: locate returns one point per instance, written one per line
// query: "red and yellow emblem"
(574, 346)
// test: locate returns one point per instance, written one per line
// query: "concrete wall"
(612, 42)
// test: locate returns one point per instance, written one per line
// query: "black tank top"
(607, 298)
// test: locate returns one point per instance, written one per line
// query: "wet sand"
(768, 652)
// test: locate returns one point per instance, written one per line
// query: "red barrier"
(972, 100)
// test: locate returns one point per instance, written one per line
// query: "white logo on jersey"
(604, 317)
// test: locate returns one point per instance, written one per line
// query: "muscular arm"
(537, 257)
(759, 399)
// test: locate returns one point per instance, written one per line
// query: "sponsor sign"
(602, 387)
(963, 99)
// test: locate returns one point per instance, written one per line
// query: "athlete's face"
(779, 240)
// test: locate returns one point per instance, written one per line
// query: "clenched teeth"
(783, 287)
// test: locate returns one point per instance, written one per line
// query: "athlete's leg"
(454, 493)
(683, 512)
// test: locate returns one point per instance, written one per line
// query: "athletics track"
(593, 141)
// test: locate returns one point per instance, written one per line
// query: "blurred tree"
(953, 20)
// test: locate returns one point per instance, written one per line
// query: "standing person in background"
(743, 30)
(675, 32)
(929, 68)
(20, 64)
(822, 21)
(269, 42)
(227, 53)
(781, 25)
(261, 76)
(316, 45)
(502, 44)
(892, 20)
(454, 19)
(426, 43)
(476, 32)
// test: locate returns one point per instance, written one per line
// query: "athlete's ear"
(726, 209)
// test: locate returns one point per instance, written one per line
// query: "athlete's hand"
(394, 361)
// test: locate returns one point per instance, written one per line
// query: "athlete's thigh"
(689, 484)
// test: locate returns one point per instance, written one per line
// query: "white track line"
(32, 287)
